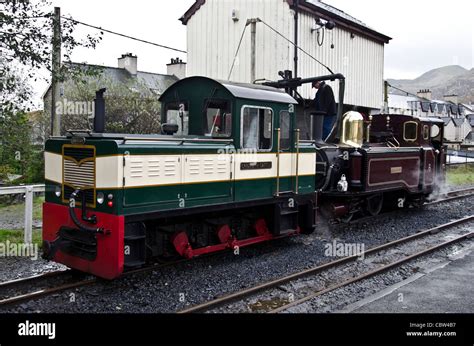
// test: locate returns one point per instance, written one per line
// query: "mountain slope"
(442, 81)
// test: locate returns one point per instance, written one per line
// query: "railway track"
(264, 290)
(447, 197)
(453, 195)
(14, 291)
(25, 289)
(20, 290)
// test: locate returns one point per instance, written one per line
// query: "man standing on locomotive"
(324, 102)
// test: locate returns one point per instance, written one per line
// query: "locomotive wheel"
(418, 202)
(374, 204)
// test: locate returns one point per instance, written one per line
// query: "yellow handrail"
(278, 161)
(297, 157)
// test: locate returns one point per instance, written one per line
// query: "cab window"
(426, 132)
(257, 125)
(410, 129)
(178, 113)
(218, 118)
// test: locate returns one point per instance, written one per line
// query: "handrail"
(297, 157)
(278, 130)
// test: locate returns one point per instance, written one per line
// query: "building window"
(218, 118)
(257, 124)
(178, 113)
(410, 129)
(285, 135)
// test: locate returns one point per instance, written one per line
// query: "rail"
(28, 190)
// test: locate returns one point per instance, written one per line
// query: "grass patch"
(20, 208)
(460, 175)
(38, 208)
(17, 236)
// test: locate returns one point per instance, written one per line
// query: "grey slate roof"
(470, 118)
(458, 121)
(156, 82)
(446, 120)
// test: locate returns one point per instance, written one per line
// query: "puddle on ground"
(266, 305)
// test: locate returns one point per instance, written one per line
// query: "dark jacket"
(324, 100)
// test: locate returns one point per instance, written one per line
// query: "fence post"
(28, 215)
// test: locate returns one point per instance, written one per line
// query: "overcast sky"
(426, 34)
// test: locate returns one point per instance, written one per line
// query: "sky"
(426, 34)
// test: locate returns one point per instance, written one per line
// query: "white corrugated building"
(214, 28)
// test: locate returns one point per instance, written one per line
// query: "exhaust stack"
(99, 111)
(318, 121)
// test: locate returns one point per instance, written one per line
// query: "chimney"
(128, 62)
(177, 68)
(424, 93)
(451, 98)
(99, 111)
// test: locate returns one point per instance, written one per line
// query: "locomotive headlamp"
(100, 197)
(57, 191)
(110, 196)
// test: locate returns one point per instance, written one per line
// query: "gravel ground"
(337, 300)
(173, 288)
(19, 267)
(300, 288)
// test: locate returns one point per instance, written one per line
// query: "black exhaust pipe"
(318, 122)
(99, 111)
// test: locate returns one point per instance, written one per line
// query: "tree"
(26, 33)
(26, 36)
(130, 105)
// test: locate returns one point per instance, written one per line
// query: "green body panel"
(145, 199)
(102, 147)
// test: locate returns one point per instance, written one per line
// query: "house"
(342, 42)
(456, 123)
(126, 73)
(469, 140)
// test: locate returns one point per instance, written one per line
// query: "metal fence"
(29, 191)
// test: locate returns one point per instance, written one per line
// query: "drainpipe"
(296, 38)
(253, 49)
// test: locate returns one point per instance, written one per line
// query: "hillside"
(442, 81)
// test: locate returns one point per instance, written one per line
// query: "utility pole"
(385, 97)
(253, 48)
(55, 67)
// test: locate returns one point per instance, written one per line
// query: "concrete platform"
(447, 287)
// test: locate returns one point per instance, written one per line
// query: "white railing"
(28, 190)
